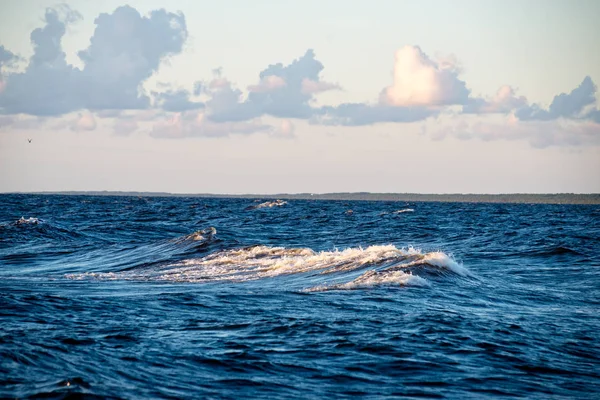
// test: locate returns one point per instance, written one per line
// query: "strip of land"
(524, 198)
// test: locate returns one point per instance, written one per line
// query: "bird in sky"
(29, 140)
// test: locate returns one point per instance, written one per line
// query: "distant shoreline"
(515, 198)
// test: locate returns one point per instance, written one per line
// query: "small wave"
(268, 204)
(33, 228)
(405, 210)
(375, 278)
(203, 235)
(388, 266)
(28, 221)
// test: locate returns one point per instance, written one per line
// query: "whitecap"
(394, 266)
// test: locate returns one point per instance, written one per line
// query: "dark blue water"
(152, 297)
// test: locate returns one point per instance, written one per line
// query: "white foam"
(406, 210)
(373, 278)
(205, 234)
(31, 220)
(442, 260)
(260, 262)
(269, 204)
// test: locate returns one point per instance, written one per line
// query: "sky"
(285, 96)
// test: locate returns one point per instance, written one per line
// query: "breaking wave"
(268, 204)
(352, 268)
(405, 210)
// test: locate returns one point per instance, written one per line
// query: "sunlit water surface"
(139, 297)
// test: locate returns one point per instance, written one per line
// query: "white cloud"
(285, 130)
(504, 101)
(310, 87)
(268, 84)
(84, 122)
(219, 83)
(420, 81)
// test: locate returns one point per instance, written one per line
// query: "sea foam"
(379, 264)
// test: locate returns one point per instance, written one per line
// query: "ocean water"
(163, 297)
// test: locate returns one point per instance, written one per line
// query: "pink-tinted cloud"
(420, 81)
(268, 84)
(218, 83)
(85, 122)
(504, 101)
(285, 130)
(311, 87)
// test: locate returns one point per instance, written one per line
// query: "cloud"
(176, 100)
(420, 81)
(48, 85)
(268, 84)
(285, 130)
(124, 126)
(270, 96)
(539, 134)
(309, 86)
(504, 101)
(6, 58)
(192, 124)
(357, 114)
(21, 121)
(575, 104)
(420, 86)
(84, 122)
(125, 50)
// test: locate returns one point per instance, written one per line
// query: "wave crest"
(374, 265)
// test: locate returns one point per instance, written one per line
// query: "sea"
(142, 297)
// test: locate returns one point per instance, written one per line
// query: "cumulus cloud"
(84, 122)
(125, 50)
(268, 84)
(271, 96)
(6, 58)
(48, 86)
(309, 86)
(577, 105)
(420, 81)
(285, 130)
(192, 124)
(419, 88)
(504, 101)
(176, 100)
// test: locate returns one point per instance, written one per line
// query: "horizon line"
(507, 198)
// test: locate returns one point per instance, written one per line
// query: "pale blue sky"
(539, 48)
